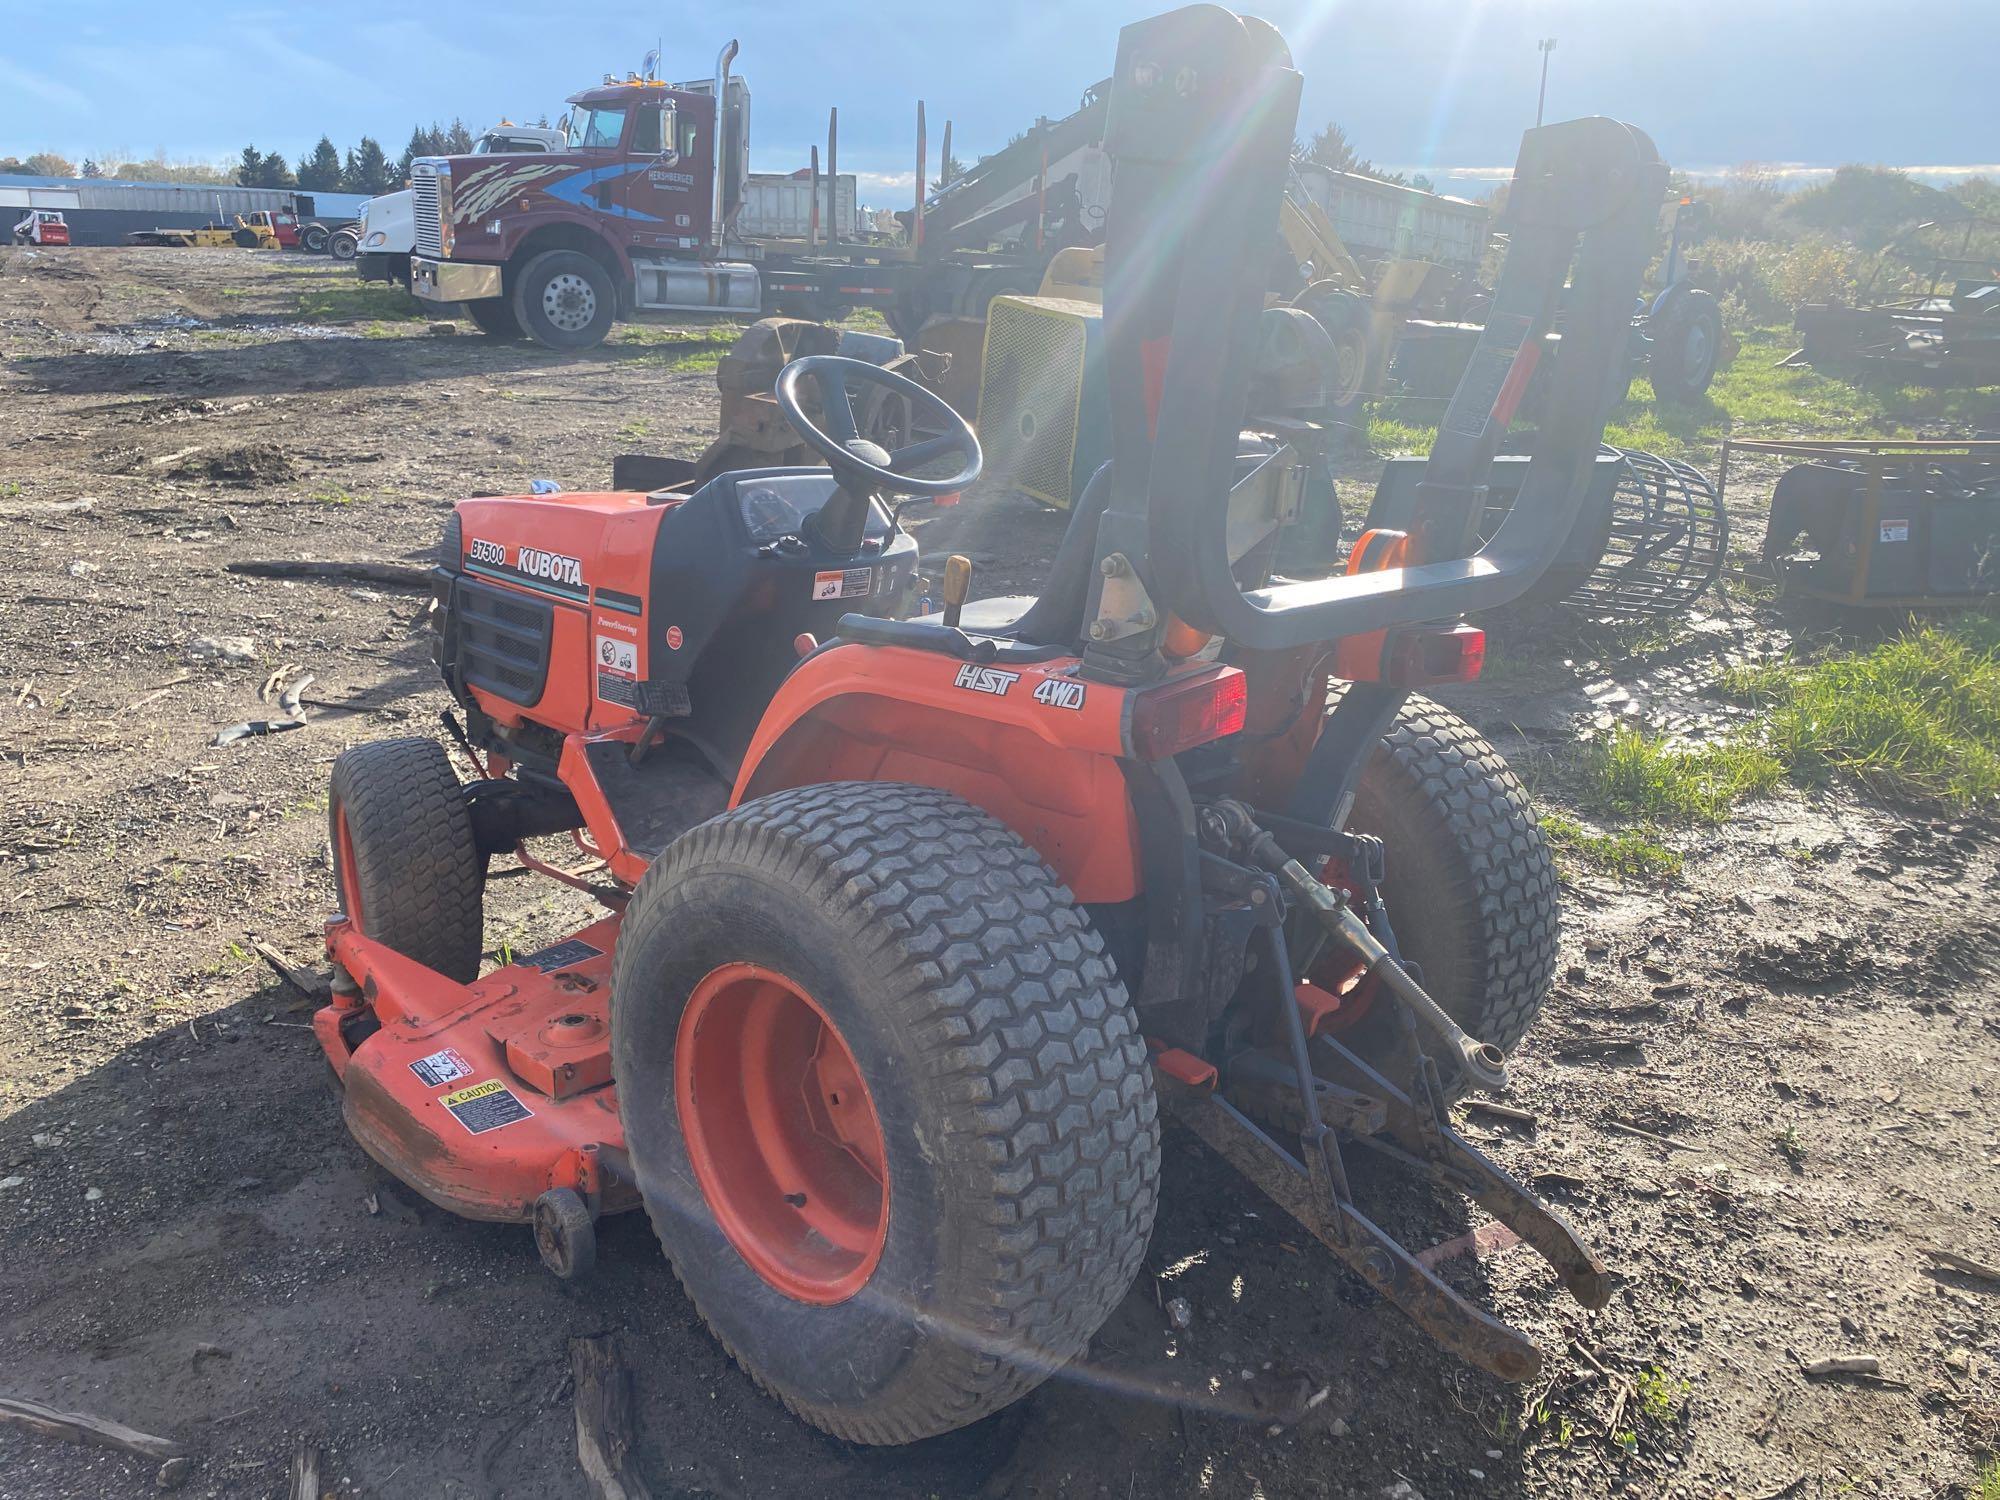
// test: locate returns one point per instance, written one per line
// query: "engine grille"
(503, 641)
(1031, 392)
(424, 201)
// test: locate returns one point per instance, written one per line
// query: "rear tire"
(344, 245)
(405, 864)
(313, 238)
(494, 317)
(564, 300)
(1001, 1062)
(1470, 885)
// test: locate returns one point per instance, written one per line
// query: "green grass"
(1629, 853)
(1750, 398)
(1916, 719)
(641, 335)
(1986, 1484)
(1632, 774)
(684, 359)
(334, 497)
(355, 301)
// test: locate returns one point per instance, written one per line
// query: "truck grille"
(424, 191)
(503, 640)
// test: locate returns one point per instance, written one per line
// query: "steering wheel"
(861, 466)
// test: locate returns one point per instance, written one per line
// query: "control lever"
(957, 585)
(1486, 1063)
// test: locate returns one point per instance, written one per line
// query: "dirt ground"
(190, 1243)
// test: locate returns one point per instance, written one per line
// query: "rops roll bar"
(1201, 118)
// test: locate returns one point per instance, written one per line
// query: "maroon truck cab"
(559, 245)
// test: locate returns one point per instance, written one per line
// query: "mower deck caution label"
(486, 1106)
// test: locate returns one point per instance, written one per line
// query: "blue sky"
(1418, 84)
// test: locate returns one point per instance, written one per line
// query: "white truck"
(381, 240)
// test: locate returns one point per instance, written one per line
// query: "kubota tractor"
(913, 926)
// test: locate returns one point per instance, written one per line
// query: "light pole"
(1545, 46)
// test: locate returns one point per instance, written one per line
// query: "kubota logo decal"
(550, 565)
(985, 680)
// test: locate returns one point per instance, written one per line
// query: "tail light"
(1423, 658)
(1189, 712)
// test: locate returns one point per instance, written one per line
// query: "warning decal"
(441, 1068)
(843, 583)
(617, 656)
(486, 1106)
(1895, 531)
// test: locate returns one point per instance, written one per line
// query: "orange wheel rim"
(347, 868)
(782, 1133)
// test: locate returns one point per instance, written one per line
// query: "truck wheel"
(1688, 349)
(565, 300)
(494, 317)
(1470, 886)
(344, 245)
(313, 238)
(886, 1101)
(405, 865)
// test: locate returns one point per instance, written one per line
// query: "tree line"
(364, 168)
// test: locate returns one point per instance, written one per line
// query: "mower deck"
(484, 1096)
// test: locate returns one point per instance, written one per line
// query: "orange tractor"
(913, 927)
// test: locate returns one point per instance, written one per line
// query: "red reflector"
(1193, 711)
(1419, 658)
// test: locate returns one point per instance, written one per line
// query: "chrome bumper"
(452, 281)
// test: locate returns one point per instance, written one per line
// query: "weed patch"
(1629, 853)
(1916, 719)
(1632, 774)
(358, 302)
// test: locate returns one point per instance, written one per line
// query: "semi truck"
(650, 209)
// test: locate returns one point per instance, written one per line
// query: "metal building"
(101, 211)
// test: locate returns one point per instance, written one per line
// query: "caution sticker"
(1895, 531)
(844, 583)
(441, 1068)
(486, 1106)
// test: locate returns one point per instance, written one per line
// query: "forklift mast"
(1202, 112)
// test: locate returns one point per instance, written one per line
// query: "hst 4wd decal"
(548, 572)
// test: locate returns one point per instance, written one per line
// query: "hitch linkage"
(1411, 1126)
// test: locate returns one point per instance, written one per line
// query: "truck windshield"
(596, 127)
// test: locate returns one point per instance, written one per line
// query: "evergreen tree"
(367, 170)
(419, 146)
(320, 172)
(275, 172)
(251, 169)
(91, 168)
(457, 140)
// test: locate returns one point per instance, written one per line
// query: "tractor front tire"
(406, 867)
(563, 299)
(1687, 350)
(1469, 886)
(886, 1101)
(494, 317)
